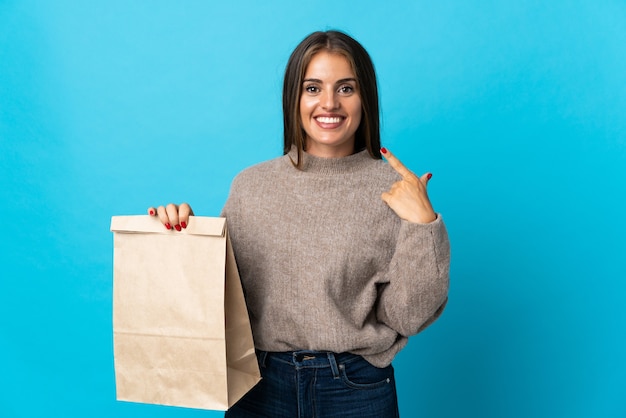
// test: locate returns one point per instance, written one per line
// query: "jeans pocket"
(360, 374)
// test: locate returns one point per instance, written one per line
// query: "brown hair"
(367, 135)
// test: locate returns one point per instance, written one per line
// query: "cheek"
(357, 111)
(306, 106)
(305, 116)
(303, 111)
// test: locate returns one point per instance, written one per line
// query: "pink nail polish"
(429, 176)
(168, 226)
(183, 224)
(178, 228)
(383, 150)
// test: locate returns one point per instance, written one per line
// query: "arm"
(418, 274)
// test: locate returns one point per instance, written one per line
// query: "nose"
(329, 100)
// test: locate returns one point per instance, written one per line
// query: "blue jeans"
(313, 384)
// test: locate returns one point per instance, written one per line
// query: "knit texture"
(326, 264)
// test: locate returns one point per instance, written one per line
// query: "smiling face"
(330, 106)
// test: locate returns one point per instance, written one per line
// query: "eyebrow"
(315, 80)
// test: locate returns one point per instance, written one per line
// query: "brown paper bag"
(181, 331)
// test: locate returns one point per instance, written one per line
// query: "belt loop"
(333, 365)
(262, 357)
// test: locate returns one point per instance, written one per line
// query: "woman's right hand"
(173, 216)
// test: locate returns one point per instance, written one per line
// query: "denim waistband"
(307, 358)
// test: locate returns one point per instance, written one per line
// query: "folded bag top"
(198, 225)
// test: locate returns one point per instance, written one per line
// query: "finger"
(172, 214)
(162, 214)
(152, 211)
(426, 178)
(396, 164)
(184, 212)
(386, 196)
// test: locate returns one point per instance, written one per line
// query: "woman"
(341, 256)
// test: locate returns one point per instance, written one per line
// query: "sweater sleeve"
(416, 289)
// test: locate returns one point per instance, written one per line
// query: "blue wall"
(518, 108)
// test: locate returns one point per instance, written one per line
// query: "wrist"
(425, 218)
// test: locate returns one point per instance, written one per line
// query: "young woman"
(341, 255)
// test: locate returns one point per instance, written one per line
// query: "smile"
(328, 119)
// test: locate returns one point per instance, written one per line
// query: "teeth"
(324, 119)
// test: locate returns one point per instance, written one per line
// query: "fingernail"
(177, 227)
(151, 212)
(183, 224)
(168, 226)
(383, 150)
(429, 176)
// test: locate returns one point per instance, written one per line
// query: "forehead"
(325, 64)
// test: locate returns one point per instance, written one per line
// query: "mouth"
(329, 122)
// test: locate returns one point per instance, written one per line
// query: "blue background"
(517, 107)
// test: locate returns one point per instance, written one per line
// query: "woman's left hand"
(408, 197)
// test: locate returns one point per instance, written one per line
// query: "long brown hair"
(367, 135)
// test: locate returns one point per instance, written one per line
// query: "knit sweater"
(326, 265)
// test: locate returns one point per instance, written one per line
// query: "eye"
(311, 88)
(346, 89)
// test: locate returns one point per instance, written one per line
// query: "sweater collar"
(313, 164)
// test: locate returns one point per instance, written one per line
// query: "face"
(330, 106)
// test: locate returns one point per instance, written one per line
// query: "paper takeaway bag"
(181, 331)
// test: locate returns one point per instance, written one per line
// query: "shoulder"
(385, 169)
(259, 172)
(382, 171)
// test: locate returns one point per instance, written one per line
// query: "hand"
(172, 216)
(408, 197)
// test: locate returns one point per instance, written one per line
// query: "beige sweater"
(327, 265)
